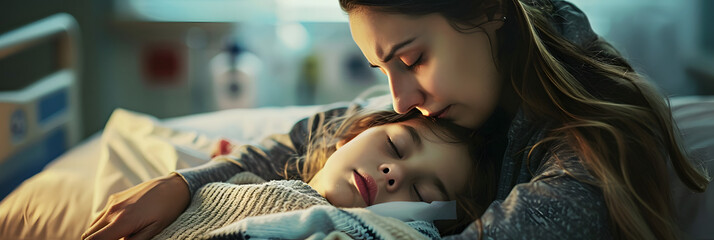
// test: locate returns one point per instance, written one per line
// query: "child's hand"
(224, 147)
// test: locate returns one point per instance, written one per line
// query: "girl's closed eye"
(419, 197)
(394, 148)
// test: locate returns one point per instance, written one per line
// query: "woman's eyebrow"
(396, 47)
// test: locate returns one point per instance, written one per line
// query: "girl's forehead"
(426, 129)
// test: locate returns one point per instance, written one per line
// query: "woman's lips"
(442, 113)
(366, 186)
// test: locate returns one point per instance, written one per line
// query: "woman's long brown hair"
(619, 124)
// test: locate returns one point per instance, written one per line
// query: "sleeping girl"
(351, 162)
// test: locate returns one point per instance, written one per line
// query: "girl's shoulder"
(286, 195)
(247, 183)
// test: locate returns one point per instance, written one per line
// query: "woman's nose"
(393, 176)
(405, 93)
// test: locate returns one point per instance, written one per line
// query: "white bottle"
(234, 73)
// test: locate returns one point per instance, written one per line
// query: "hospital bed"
(60, 201)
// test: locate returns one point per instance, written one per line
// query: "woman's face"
(431, 66)
(416, 166)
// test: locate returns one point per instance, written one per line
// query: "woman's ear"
(496, 22)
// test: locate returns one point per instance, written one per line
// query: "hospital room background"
(65, 66)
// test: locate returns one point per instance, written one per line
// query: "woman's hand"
(142, 211)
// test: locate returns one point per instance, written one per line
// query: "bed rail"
(39, 121)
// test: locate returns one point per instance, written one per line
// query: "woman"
(580, 107)
(585, 141)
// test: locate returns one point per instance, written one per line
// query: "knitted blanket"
(282, 209)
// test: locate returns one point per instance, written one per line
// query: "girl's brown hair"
(325, 135)
(620, 126)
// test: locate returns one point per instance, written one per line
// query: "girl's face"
(394, 162)
(431, 66)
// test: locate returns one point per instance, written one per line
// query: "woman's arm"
(266, 160)
(556, 203)
(142, 211)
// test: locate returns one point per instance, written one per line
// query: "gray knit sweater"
(282, 209)
(218, 204)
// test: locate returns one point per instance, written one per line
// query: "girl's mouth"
(366, 186)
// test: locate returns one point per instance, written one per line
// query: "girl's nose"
(393, 176)
(405, 94)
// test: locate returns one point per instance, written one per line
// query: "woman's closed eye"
(416, 63)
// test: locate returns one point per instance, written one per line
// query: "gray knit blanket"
(247, 207)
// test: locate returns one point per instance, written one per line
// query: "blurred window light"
(293, 35)
(310, 11)
(195, 10)
(267, 11)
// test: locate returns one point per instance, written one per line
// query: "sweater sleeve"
(215, 170)
(267, 160)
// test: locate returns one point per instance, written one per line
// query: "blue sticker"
(51, 105)
(18, 126)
